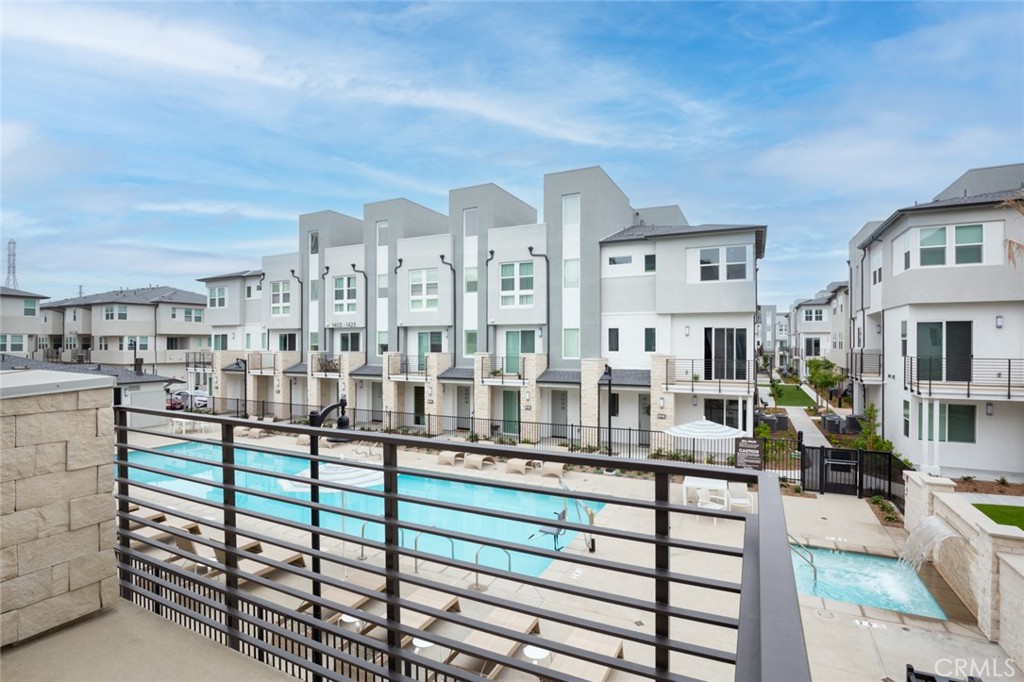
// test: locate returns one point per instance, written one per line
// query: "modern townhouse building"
(22, 330)
(938, 326)
(160, 328)
(600, 311)
(839, 303)
(782, 347)
(766, 329)
(810, 330)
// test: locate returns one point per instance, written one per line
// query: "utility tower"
(12, 270)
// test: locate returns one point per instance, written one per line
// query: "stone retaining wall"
(56, 452)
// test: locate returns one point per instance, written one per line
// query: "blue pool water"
(866, 580)
(544, 507)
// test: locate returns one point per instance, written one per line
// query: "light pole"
(245, 386)
(133, 346)
(607, 376)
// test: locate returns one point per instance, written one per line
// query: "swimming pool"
(866, 580)
(536, 504)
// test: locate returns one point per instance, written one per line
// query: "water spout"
(924, 540)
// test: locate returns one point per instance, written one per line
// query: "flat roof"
(16, 383)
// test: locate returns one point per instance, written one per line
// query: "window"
(957, 423)
(968, 243)
(348, 341)
(517, 284)
(264, 341)
(813, 315)
(903, 337)
(218, 297)
(14, 343)
(906, 250)
(108, 312)
(74, 314)
(188, 314)
(469, 345)
(906, 418)
(122, 312)
(382, 343)
(280, 298)
(251, 291)
(736, 262)
(42, 342)
(812, 347)
(708, 265)
(423, 289)
(571, 273)
(570, 210)
(29, 307)
(933, 246)
(314, 291)
(248, 340)
(650, 261)
(382, 233)
(382, 286)
(470, 276)
(613, 405)
(345, 294)
(470, 222)
(613, 339)
(125, 342)
(314, 340)
(104, 343)
(650, 340)
(314, 243)
(71, 342)
(570, 343)
(620, 260)
(286, 341)
(220, 341)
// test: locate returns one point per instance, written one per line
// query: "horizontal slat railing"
(923, 375)
(231, 490)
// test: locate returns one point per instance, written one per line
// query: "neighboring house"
(839, 303)
(810, 330)
(938, 320)
(766, 329)
(486, 313)
(161, 328)
(22, 330)
(782, 348)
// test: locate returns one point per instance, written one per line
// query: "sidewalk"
(814, 396)
(801, 422)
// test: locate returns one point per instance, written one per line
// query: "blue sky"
(150, 143)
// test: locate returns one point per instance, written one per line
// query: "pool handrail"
(809, 558)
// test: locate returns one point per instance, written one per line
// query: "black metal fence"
(924, 374)
(202, 541)
(863, 473)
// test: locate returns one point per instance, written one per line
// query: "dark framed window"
(650, 339)
(613, 339)
(650, 262)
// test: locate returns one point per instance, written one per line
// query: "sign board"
(748, 453)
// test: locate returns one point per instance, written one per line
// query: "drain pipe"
(302, 319)
(366, 300)
(455, 310)
(547, 294)
(323, 310)
(398, 329)
(487, 300)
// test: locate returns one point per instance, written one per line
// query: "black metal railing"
(202, 361)
(324, 362)
(502, 368)
(408, 366)
(260, 361)
(863, 473)
(865, 364)
(214, 563)
(695, 374)
(964, 375)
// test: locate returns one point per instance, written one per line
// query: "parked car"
(196, 399)
(174, 403)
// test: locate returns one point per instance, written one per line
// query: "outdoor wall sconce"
(989, 409)
(695, 400)
(527, 394)
(878, 329)
(999, 321)
(360, 384)
(430, 390)
(661, 403)
(686, 330)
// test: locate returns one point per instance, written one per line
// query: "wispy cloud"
(216, 208)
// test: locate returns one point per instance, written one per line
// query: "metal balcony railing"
(865, 364)
(964, 375)
(409, 366)
(260, 362)
(502, 368)
(209, 548)
(697, 373)
(324, 362)
(199, 361)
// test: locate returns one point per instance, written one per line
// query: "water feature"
(924, 540)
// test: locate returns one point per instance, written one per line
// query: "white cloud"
(14, 137)
(217, 208)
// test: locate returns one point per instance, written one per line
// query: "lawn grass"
(793, 396)
(1003, 514)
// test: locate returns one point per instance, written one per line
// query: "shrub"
(763, 431)
(966, 479)
(473, 437)
(1002, 481)
(891, 517)
(688, 458)
(876, 500)
(798, 489)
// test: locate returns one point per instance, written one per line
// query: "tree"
(871, 440)
(1014, 248)
(823, 375)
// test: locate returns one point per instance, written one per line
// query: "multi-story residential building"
(488, 314)
(810, 330)
(766, 329)
(782, 348)
(23, 331)
(938, 320)
(161, 328)
(839, 303)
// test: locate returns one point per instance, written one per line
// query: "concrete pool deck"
(844, 642)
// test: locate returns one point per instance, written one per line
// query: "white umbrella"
(705, 429)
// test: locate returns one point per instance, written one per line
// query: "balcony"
(199, 361)
(261, 363)
(408, 368)
(704, 597)
(998, 378)
(498, 370)
(865, 366)
(324, 364)
(719, 377)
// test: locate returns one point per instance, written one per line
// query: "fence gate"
(840, 470)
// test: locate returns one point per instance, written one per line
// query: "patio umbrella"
(704, 430)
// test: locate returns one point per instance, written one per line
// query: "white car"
(192, 400)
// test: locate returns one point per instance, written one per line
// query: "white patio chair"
(705, 500)
(739, 496)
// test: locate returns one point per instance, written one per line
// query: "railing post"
(315, 420)
(124, 544)
(230, 540)
(662, 566)
(392, 556)
(1009, 382)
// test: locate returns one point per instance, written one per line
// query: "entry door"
(559, 413)
(427, 342)
(462, 408)
(517, 342)
(929, 350)
(725, 353)
(418, 406)
(958, 351)
(377, 401)
(510, 412)
(644, 418)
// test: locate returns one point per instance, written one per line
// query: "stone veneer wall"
(57, 508)
(1011, 596)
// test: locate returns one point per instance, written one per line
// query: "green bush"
(1002, 481)
(763, 431)
(966, 479)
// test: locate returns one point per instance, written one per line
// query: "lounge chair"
(496, 644)
(739, 496)
(214, 559)
(516, 466)
(552, 469)
(450, 458)
(478, 461)
(423, 596)
(163, 531)
(302, 439)
(594, 642)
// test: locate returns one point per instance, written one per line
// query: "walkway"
(801, 422)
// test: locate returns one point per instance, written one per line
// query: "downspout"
(455, 317)
(323, 308)
(487, 301)
(302, 319)
(547, 294)
(398, 329)
(366, 301)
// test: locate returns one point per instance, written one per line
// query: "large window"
(280, 298)
(517, 284)
(382, 343)
(382, 286)
(220, 341)
(382, 233)
(111, 312)
(708, 265)
(470, 221)
(29, 307)
(613, 339)
(570, 343)
(314, 242)
(423, 289)
(141, 343)
(933, 246)
(571, 273)
(650, 340)
(348, 341)
(968, 243)
(812, 347)
(218, 297)
(736, 262)
(734, 259)
(814, 314)
(469, 345)
(287, 341)
(725, 353)
(345, 294)
(187, 314)
(15, 343)
(952, 423)
(472, 284)
(570, 210)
